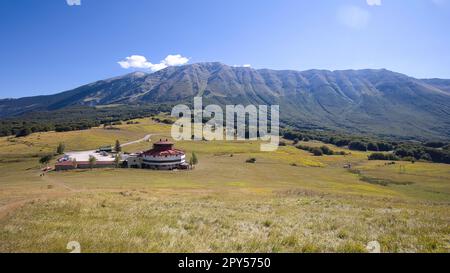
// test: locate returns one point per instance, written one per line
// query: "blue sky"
(50, 46)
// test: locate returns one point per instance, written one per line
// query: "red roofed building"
(65, 165)
(162, 157)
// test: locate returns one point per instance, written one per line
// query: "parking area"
(84, 156)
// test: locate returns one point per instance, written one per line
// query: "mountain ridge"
(372, 101)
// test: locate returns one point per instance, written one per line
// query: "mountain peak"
(366, 101)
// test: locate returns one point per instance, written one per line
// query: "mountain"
(368, 101)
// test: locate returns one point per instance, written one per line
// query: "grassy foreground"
(288, 201)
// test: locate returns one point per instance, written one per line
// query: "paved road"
(146, 138)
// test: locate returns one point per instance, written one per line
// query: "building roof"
(64, 163)
(169, 152)
(163, 142)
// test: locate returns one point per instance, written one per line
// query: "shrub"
(251, 160)
(408, 158)
(326, 150)
(384, 147)
(435, 144)
(24, 132)
(441, 156)
(381, 156)
(45, 159)
(426, 157)
(167, 121)
(341, 142)
(60, 128)
(267, 223)
(358, 146)
(317, 152)
(302, 147)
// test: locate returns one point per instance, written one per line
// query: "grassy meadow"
(288, 201)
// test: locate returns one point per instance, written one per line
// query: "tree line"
(74, 118)
(433, 151)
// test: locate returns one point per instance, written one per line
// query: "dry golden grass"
(288, 201)
(201, 221)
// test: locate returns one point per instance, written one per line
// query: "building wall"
(156, 162)
(96, 166)
(64, 167)
(163, 160)
(134, 162)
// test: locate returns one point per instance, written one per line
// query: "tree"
(45, 159)
(341, 142)
(193, 160)
(92, 161)
(75, 163)
(372, 146)
(118, 147)
(357, 145)
(117, 160)
(23, 132)
(385, 147)
(435, 144)
(403, 152)
(426, 157)
(60, 149)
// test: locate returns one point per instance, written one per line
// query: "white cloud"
(353, 17)
(135, 61)
(73, 2)
(243, 65)
(373, 2)
(177, 59)
(138, 61)
(157, 67)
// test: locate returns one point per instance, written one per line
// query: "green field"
(288, 201)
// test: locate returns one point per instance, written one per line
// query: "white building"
(162, 157)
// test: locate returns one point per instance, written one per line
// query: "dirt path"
(52, 181)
